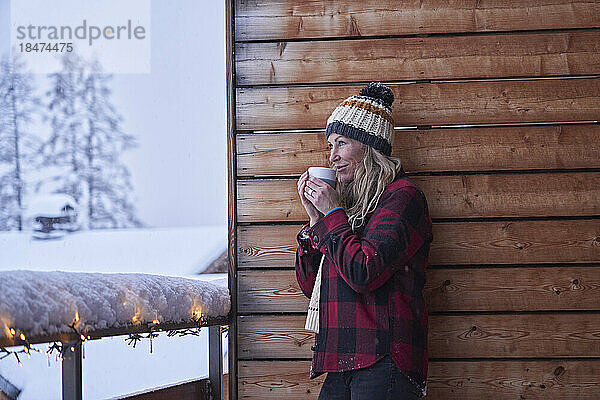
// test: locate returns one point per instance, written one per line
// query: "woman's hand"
(322, 196)
(311, 210)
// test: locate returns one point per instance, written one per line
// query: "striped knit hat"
(366, 118)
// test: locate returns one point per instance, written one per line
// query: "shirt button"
(316, 238)
(313, 348)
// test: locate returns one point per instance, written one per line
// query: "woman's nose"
(333, 156)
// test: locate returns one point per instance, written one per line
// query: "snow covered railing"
(71, 307)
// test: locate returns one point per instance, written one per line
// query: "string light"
(133, 338)
(7, 353)
(54, 347)
(26, 348)
(184, 332)
(82, 338)
(154, 327)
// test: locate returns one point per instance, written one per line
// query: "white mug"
(325, 174)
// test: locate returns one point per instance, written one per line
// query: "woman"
(362, 259)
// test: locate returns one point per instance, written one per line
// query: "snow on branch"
(46, 303)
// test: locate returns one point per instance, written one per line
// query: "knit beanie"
(366, 117)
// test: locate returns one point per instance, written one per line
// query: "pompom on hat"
(366, 117)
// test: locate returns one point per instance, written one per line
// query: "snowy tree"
(110, 193)
(63, 149)
(18, 146)
(87, 141)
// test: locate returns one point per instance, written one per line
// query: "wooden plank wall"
(514, 283)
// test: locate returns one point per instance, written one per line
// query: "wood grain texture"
(267, 246)
(457, 243)
(518, 379)
(286, 19)
(281, 336)
(278, 380)
(434, 150)
(518, 242)
(453, 380)
(513, 289)
(461, 196)
(441, 103)
(295, 77)
(460, 289)
(395, 59)
(270, 291)
(554, 335)
(513, 336)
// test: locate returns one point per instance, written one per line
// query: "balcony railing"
(18, 331)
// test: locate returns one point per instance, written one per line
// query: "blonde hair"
(361, 195)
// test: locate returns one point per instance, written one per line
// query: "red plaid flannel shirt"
(371, 302)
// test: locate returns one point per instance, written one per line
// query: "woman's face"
(346, 155)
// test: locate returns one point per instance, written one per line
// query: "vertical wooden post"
(71, 372)
(232, 197)
(215, 362)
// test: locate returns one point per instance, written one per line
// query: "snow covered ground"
(111, 368)
(183, 252)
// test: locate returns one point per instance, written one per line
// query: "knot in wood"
(559, 370)
(472, 332)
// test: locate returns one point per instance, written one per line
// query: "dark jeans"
(381, 381)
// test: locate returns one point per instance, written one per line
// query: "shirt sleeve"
(397, 229)
(308, 258)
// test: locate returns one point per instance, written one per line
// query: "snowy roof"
(180, 251)
(218, 265)
(46, 303)
(8, 388)
(49, 205)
